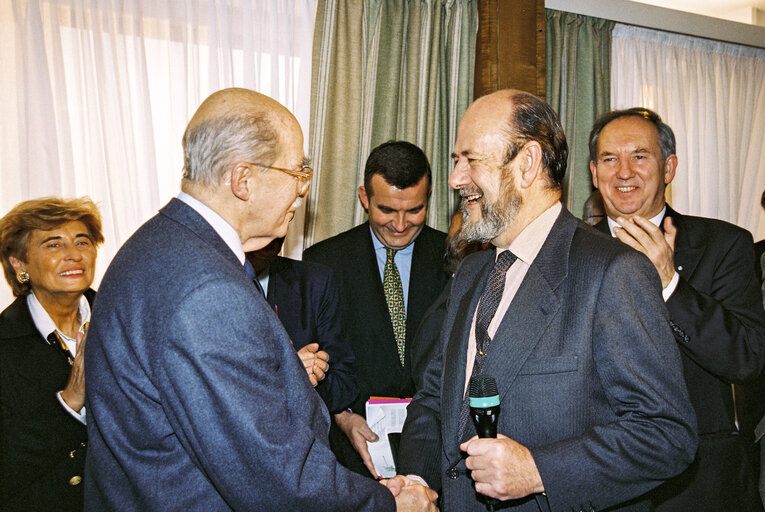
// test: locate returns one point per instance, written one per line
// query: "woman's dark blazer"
(42, 447)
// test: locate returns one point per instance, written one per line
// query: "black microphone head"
(483, 386)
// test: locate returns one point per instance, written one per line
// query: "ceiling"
(742, 11)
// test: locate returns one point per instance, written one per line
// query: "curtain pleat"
(382, 70)
(578, 61)
(712, 96)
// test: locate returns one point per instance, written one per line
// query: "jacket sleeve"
(652, 436)
(723, 330)
(257, 438)
(339, 389)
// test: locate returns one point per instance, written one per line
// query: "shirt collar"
(44, 322)
(378, 245)
(529, 242)
(656, 220)
(218, 223)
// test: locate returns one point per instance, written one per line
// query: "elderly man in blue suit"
(594, 411)
(196, 399)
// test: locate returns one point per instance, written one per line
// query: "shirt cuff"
(418, 479)
(670, 289)
(79, 416)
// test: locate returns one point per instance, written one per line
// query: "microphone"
(484, 409)
(484, 405)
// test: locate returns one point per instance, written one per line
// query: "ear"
(240, 181)
(670, 164)
(594, 172)
(363, 197)
(16, 263)
(531, 163)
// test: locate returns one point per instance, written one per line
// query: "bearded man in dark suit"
(570, 324)
(397, 184)
(196, 398)
(711, 292)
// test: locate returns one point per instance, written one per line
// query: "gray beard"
(494, 219)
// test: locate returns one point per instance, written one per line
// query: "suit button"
(72, 454)
(452, 473)
(75, 480)
(83, 444)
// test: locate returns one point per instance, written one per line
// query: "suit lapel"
(368, 279)
(527, 318)
(462, 304)
(534, 306)
(687, 256)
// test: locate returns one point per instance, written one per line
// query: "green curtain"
(382, 70)
(578, 60)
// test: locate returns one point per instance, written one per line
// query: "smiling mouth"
(67, 273)
(626, 189)
(470, 198)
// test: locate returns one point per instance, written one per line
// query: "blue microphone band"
(483, 402)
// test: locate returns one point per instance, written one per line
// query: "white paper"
(383, 419)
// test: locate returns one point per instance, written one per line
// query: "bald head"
(519, 117)
(233, 125)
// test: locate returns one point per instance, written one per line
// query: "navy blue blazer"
(42, 447)
(306, 299)
(586, 368)
(196, 398)
(719, 324)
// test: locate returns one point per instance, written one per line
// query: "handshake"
(410, 495)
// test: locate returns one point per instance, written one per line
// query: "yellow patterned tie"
(394, 296)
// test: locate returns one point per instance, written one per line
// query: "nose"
(624, 171)
(459, 177)
(73, 253)
(399, 223)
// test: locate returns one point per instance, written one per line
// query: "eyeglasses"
(303, 175)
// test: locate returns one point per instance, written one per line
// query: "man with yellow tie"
(389, 271)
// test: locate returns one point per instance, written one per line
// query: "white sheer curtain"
(96, 94)
(712, 95)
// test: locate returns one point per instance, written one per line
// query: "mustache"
(469, 191)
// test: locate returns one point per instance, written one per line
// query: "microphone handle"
(485, 421)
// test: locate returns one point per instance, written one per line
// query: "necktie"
(487, 308)
(394, 296)
(253, 276)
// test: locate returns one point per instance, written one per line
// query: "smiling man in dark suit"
(593, 411)
(196, 398)
(394, 246)
(711, 292)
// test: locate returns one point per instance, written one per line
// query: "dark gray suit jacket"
(586, 368)
(196, 398)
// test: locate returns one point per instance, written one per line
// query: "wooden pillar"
(510, 50)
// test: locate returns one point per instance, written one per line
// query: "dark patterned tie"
(394, 296)
(251, 272)
(487, 308)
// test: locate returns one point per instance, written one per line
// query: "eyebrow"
(59, 237)
(391, 209)
(468, 153)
